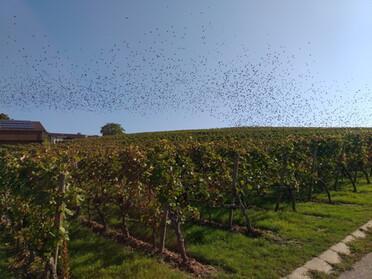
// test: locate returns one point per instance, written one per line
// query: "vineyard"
(162, 193)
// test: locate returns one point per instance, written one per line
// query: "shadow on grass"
(95, 257)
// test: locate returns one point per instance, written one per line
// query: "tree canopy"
(112, 129)
(4, 116)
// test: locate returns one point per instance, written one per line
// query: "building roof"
(19, 131)
(69, 136)
(21, 125)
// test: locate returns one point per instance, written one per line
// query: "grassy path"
(300, 235)
(94, 257)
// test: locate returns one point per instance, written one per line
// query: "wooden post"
(50, 269)
(233, 188)
(313, 171)
(180, 240)
(163, 227)
(236, 169)
(231, 214)
(282, 177)
(123, 216)
(241, 203)
(154, 234)
(293, 198)
(59, 218)
(64, 267)
(339, 167)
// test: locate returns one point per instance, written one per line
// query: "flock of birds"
(178, 70)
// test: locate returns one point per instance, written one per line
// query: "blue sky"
(167, 65)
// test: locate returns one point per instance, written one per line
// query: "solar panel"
(16, 124)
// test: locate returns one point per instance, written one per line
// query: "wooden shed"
(21, 132)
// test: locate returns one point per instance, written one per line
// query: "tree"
(3, 116)
(112, 129)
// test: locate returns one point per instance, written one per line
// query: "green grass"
(94, 257)
(291, 239)
(298, 236)
(346, 194)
